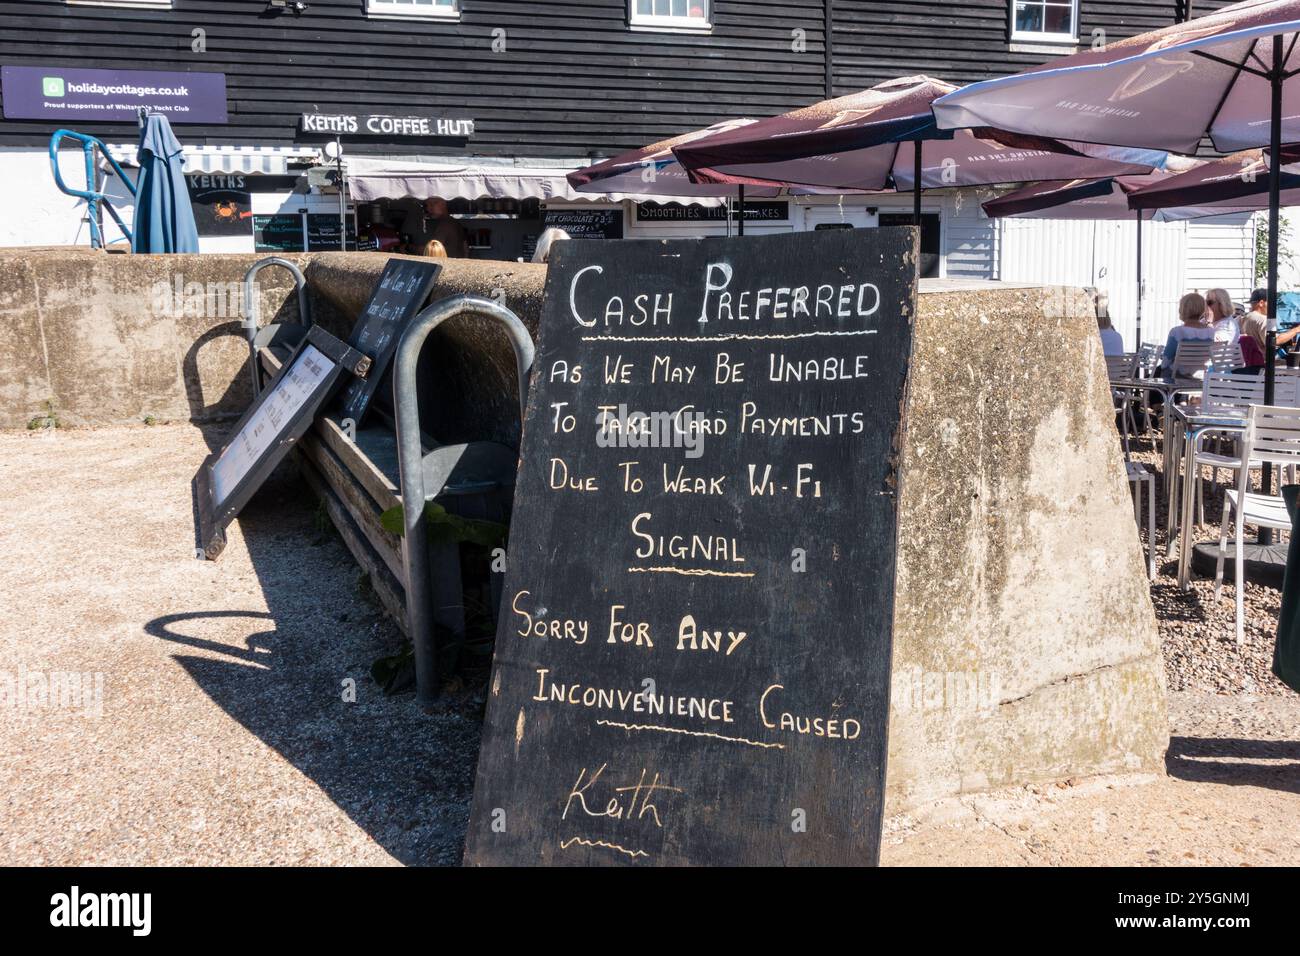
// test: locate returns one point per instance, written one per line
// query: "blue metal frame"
(90, 194)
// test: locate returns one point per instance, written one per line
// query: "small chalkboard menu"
(692, 663)
(227, 480)
(323, 232)
(278, 233)
(397, 299)
(586, 223)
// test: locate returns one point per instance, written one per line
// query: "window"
(1051, 20)
(670, 14)
(427, 9)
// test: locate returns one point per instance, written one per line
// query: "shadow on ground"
(1271, 764)
(403, 776)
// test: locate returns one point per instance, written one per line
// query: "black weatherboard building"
(488, 102)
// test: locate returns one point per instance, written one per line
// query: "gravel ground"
(223, 734)
(1197, 632)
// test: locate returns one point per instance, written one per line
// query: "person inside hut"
(434, 250)
(546, 243)
(433, 220)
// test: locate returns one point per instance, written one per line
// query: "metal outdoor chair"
(1192, 357)
(1142, 481)
(1272, 437)
(1119, 368)
(1234, 396)
(1225, 356)
(1148, 360)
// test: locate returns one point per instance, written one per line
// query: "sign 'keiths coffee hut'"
(370, 124)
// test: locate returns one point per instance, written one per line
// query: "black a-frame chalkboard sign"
(228, 479)
(692, 663)
(399, 295)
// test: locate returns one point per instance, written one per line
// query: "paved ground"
(222, 734)
(225, 736)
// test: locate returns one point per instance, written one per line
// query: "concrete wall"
(1025, 641)
(107, 338)
(1025, 645)
(102, 338)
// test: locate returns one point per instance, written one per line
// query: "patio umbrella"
(654, 171)
(1087, 199)
(1167, 89)
(1237, 183)
(164, 219)
(868, 141)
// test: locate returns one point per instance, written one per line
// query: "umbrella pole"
(1274, 210)
(1137, 344)
(916, 184)
(343, 203)
(740, 201)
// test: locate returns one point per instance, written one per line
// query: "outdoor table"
(1195, 424)
(1168, 391)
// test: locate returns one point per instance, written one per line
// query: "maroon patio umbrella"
(1090, 199)
(867, 141)
(654, 171)
(1236, 183)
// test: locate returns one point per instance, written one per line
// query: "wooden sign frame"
(216, 515)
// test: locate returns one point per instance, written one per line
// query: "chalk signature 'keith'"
(631, 802)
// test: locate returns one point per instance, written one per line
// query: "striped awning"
(271, 160)
(371, 178)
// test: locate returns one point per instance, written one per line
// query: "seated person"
(1112, 343)
(1253, 329)
(1223, 318)
(1255, 324)
(1191, 310)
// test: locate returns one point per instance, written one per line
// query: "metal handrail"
(252, 306)
(92, 196)
(410, 462)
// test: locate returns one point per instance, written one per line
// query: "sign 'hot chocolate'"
(693, 656)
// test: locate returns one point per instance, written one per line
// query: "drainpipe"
(828, 32)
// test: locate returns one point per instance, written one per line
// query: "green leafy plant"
(470, 655)
(1284, 254)
(395, 674)
(49, 420)
(447, 527)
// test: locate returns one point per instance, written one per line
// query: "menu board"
(692, 662)
(282, 232)
(755, 211)
(586, 223)
(323, 232)
(227, 480)
(403, 287)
